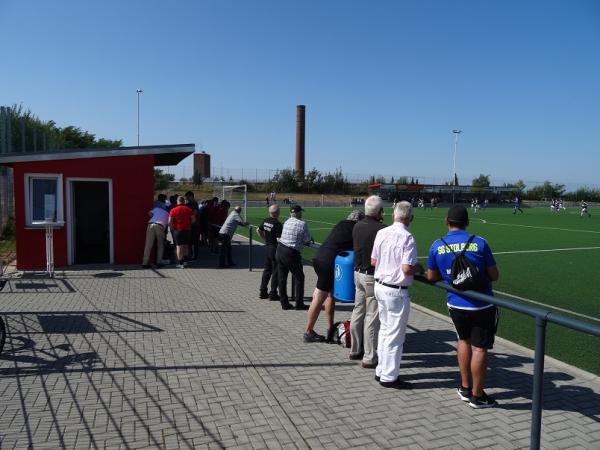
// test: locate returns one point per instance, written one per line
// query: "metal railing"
(542, 317)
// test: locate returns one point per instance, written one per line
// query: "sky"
(384, 82)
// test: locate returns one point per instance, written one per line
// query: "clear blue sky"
(384, 82)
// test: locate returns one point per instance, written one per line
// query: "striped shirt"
(294, 234)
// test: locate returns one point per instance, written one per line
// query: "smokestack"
(300, 113)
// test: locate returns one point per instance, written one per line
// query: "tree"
(402, 180)
(481, 181)
(313, 180)
(197, 178)
(161, 179)
(519, 186)
(546, 190)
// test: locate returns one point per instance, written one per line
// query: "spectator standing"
(191, 203)
(475, 321)
(364, 323)
(339, 239)
(226, 234)
(394, 257)
(270, 230)
(180, 222)
(155, 231)
(294, 236)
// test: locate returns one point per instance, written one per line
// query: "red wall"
(132, 198)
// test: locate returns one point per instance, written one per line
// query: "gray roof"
(164, 155)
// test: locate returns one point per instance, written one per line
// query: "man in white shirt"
(394, 257)
(226, 234)
(159, 218)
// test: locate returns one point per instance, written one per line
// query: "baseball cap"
(296, 208)
(458, 215)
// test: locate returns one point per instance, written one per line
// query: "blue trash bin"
(343, 284)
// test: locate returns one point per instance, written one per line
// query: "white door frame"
(70, 222)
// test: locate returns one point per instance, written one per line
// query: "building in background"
(97, 199)
(202, 164)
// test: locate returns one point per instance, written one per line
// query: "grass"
(563, 279)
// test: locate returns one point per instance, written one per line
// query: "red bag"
(343, 333)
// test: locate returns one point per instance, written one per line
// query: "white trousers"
(394, 309)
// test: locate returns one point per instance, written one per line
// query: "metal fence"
(542, 318)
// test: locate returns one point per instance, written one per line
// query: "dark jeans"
(225, 251)
(290, 260)
(270, 271)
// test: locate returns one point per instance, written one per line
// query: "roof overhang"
(164, 155)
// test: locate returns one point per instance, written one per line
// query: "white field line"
(547, 250)
(516, 225)
(568, 311)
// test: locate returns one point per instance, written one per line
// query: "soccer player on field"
(517, 204)
(584, 209)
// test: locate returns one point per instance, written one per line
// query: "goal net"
(236, 195)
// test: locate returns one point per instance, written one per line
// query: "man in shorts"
(180, 221)
(339, 239)
(475, 320)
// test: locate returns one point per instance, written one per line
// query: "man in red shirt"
(180, 221)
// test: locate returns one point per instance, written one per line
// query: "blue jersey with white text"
(478, 252)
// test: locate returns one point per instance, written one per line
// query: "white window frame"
(59, 199)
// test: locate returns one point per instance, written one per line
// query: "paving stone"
(192, 359)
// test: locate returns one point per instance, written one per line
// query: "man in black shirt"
(339, 239)
(195, 234)
(270, 230)
(364, 323)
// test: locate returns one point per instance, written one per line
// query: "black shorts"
(324, 273)
(182, 237)
(478, 327)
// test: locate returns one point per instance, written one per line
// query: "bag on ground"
(342, 334)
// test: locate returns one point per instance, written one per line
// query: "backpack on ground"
(464, 274)
(342, 333)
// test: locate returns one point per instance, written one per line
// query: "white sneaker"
(180, 266)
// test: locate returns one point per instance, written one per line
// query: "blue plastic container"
(343, 283)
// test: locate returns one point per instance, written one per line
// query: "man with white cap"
(226, 233)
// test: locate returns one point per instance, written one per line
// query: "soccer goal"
(236, 195)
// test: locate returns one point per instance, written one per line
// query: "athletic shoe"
(301, 307)
(286, 306)
(274, 297)
(180, 266)
(355, 356)
(313, 337)
(465, 394)
(368, 365)
(263, 295)
(396, 384)
(485, 401)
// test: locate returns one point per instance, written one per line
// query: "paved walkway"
(131, 358)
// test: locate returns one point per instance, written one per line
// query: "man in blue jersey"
(475, 321)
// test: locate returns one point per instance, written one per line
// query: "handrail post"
(250, 248)
(538, 382)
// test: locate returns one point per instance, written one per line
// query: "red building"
(98, 198)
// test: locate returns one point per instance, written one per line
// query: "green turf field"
(533, 268)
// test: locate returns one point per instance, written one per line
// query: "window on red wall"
(43, 199)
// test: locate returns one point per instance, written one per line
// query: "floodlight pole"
(456, 133)
(139, 91)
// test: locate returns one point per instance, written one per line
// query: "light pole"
(456, 133)
(139, 91)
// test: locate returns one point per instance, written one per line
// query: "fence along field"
(545, 259)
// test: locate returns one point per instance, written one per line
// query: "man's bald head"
(274, 210)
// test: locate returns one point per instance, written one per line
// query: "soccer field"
(545, 259)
